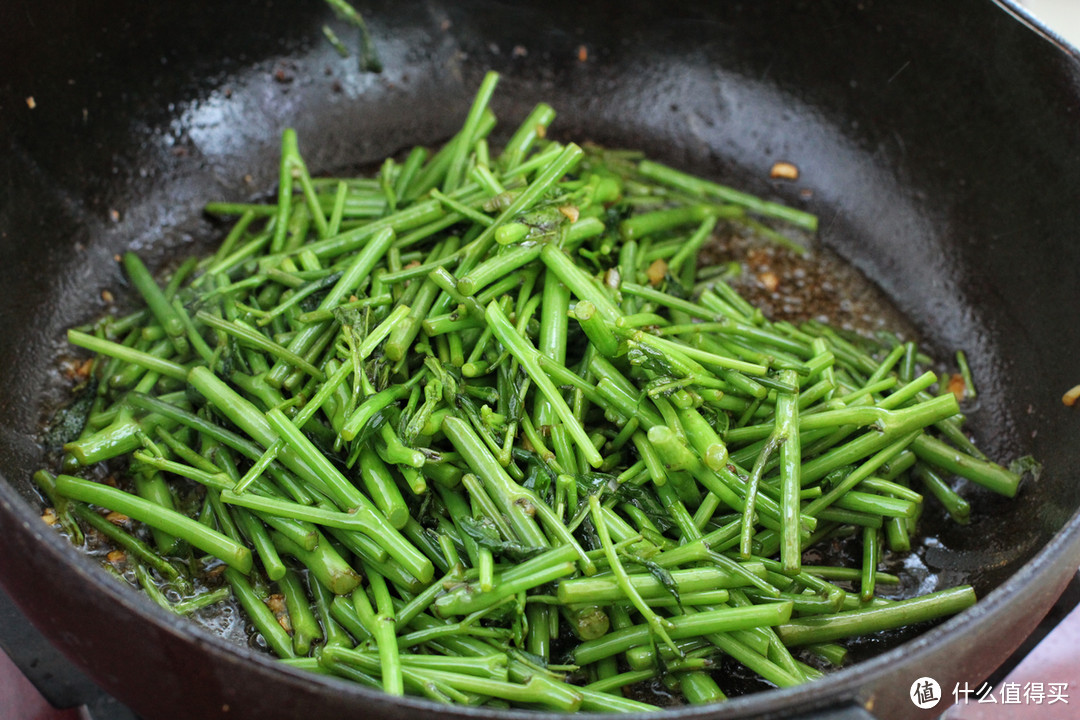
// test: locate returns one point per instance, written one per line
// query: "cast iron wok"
(939, 143)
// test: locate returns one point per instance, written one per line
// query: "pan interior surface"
(939, 163)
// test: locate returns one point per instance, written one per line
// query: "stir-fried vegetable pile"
(480, 428)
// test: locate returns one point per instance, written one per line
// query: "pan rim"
(842, 686)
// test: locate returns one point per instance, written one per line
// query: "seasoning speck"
(1070, 397)
(31, 103)
(78, 371)
(957, 386)
(769, 280)
(784, 171)
(117, 518)
(276, 603)
(283, 74)
(656, 271)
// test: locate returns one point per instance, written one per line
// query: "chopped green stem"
(261, 616)
(159, 305)
(686, 626)
(172, 522)
(957, 507)
(983, 472)
(563, 163)
(361, 266)
(827, 628)
(656, 625)
(601, 589)
(527, 355)
(521, 142)
(251, 337)
(126, 354)
(128, 542)
(305, 627)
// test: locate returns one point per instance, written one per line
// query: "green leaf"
(486, 535)
(1026, 464)
(70, 421)
(662, 576)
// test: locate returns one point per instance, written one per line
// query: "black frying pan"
(939, 142)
